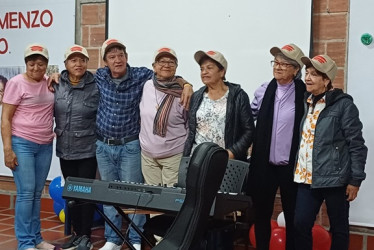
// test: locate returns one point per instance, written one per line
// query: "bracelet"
(187, 83)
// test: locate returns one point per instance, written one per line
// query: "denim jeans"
(34, 161)
(308, 203)
(121, 163)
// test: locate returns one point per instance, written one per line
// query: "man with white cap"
(278, 108)
(118, 126)
(332, 156)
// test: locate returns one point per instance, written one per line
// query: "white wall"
(242, 30)
(52, 23)
(360, 85)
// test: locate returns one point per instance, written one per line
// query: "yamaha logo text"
(79, 189)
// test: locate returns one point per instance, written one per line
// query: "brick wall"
(330, 33)
(92, 30)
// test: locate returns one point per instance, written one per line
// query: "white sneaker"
(45, 246)
(110, 246)
(137, 246)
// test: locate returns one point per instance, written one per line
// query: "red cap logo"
(112, 41)
(164, 50)
(320, 59)
(36, 48)
(288, 48)
(211, 53)
(76, 48)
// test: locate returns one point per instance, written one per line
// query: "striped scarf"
(172, 89)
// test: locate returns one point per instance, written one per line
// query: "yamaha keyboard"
(142, 196)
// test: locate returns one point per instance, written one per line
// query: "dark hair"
(324, 76)
(119, 47)
(35, 57)
(3, 79)
(205, 58)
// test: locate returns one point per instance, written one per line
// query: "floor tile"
(4, 200)
(9, 220)
(4, 227)
(9, 245)
(7, 211)
(52, 231)
(48, 224)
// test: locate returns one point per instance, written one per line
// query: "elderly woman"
(220, 110)
(76, 102)
(163, 128)
(331, 158)
(278, 108)
(26, 129)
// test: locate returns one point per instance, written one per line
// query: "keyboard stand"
(110, 223)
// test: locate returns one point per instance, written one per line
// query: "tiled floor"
(52, 231)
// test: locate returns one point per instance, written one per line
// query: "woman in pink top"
(26, 129)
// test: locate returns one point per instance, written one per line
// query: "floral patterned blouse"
(210, 121)
(304, 167)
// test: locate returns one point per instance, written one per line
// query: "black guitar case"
(204, 176)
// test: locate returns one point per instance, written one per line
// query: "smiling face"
(36, 68)
(116, 60)
(76, 65)
(210, 73)
(316, 83)
(283, 71)
(165, 67)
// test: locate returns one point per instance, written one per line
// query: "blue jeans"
(308, 203)
(34, 161)
(121, 163)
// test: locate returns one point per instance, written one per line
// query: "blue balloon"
(57, 207)
(55, 190)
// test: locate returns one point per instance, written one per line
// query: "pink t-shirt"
(33, 118)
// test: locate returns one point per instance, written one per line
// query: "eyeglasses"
(167, 63)
(280, 64)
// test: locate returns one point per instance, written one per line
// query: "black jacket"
(239, 125)
(339, 151)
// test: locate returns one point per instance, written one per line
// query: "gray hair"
(294, 63)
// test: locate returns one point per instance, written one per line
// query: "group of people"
(134, 124)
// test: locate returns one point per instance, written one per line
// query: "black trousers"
(308, 204)
(81, 214)
(267, 181)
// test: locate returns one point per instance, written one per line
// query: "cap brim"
(77, 52)
(114, 45)
(308, 62)
(165, 53)
(198, 55)
(36, 53)
(275, 50)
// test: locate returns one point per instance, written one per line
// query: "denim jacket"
(75, 116)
